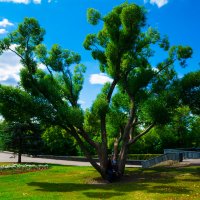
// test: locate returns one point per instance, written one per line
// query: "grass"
(67, 182)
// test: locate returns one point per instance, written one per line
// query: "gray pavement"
(9, 157)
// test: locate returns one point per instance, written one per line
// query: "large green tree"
(145, 95)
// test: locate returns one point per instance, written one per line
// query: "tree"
(20, 131)
(190, 91)
(58, 142)
(145, 96)
(20, 138)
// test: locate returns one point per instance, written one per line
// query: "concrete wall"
(186, 154)
(159, 159)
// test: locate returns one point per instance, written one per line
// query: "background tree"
(20, 138)
(58, 142)
(20, 131)
(190, 91)
(123, 49)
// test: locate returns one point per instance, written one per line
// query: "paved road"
(9, 157)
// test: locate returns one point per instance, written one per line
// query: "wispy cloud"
(16, 1)
(5, 22)
(159, 3)
(81, 102)
(22, 1)
(2, 31)
(37, 1)
(99, 79)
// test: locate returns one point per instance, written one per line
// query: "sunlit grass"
(67, 182)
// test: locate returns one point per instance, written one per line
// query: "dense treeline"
(182, 132)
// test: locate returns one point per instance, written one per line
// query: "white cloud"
(81, 102)
(99, 79)
(3, 31)
(9, 68)
(22, 1)
(16, 1)
(37, 1)
(4, 23)
(159, 3)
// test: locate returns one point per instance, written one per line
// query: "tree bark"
(125, 139)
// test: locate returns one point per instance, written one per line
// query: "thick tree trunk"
(103, 160)
(122, 159)
(115, 150)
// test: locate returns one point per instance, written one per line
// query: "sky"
(66, 24)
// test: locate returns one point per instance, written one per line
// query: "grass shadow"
(148, 181)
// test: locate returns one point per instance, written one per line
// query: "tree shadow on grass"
(147, 182)
(109, 191)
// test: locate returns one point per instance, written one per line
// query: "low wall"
(186, 154)
(159, 159)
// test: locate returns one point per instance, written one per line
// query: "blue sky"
(65, 23)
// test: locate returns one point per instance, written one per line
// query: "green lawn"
(68, 183)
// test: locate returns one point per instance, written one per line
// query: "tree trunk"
(122, 159)
(102, 154)
(20, 150)
(19, 157)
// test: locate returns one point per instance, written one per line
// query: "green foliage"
(91, 123)
(100, 106)
(21, 137)
(17, 102)
(181, 53)
(155, 110)
(93, 16)
(138, 79)
(190, 91)
(58, 141)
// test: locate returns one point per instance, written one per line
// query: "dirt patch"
(131, 177)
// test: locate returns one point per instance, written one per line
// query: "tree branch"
(85, 150)
(130, 122)
(167, 65)
(141, 134)
(112, 87)
(88, 139)
(16, 53)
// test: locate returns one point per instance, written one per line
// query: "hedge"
(142, 156)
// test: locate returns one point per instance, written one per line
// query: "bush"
(142, 156)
